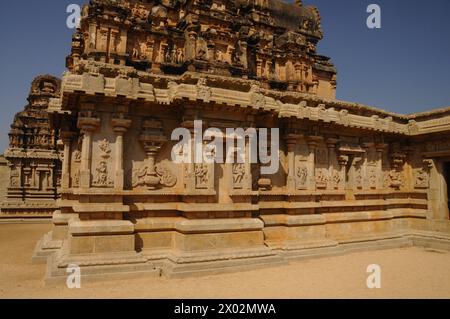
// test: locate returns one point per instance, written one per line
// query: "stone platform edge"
(154, 265)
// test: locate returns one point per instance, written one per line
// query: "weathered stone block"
(82, 245)
(114, 244)
(205, 242)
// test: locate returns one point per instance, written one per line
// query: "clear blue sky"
(403, 67)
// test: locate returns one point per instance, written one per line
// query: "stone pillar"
(92, 46)
(190, 115)
(259, 68)
(269, 75)
(298, 72)
(291, 143)
(189, 167)
(87, 125)
(313, 142)
(358, 160)
(51, 176)
(85, 170)
(437, 193)
(120, 126)
(365, 166)
(343, 161)
(248, 167)
(33, 175)
(408, 169)
(249, 150)
(334, 170)
(380, 149)
(66, 138)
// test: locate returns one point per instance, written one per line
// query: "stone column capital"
(88, 124)
(314, 140)
(120, 125)
(332, 142)
(66, 136)
(380, 147)
(368, 145)
(292, 138)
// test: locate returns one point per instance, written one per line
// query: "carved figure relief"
(202, 49)
(201, 176)
(101, 178)
(77, 156)
(190, 46)
(257, 98)
(302, 175)
(336, 179)
(76, 179)
(421, 178)
(238, 175)
(372, 177)
(167, 178)
(141, 176)
(203, 91)
(393, 179)
(105, 148)
(321, 178)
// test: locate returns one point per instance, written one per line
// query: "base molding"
(177, 264)
(46, 247)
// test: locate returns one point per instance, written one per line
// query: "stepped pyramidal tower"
(33, 156)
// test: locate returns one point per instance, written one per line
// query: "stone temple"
(33, 156)
(97, 145)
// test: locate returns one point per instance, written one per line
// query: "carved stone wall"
(349, 175)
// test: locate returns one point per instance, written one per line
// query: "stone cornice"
(241, 93)
(32, 154)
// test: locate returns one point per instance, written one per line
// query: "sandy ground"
(406, 273)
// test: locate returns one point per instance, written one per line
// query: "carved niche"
(301, 174)
(201, 172)
(422, 175)
(239, 176)
(101, 176)
(322, 178)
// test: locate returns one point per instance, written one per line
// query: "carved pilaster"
(88, 124)
(335, 173)
(367, 172)
(291, 143)
(241, 173)
(66, 138)
(120, 126)
(313, 143)
(33, 175)
(380, 147)
(408, 169)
